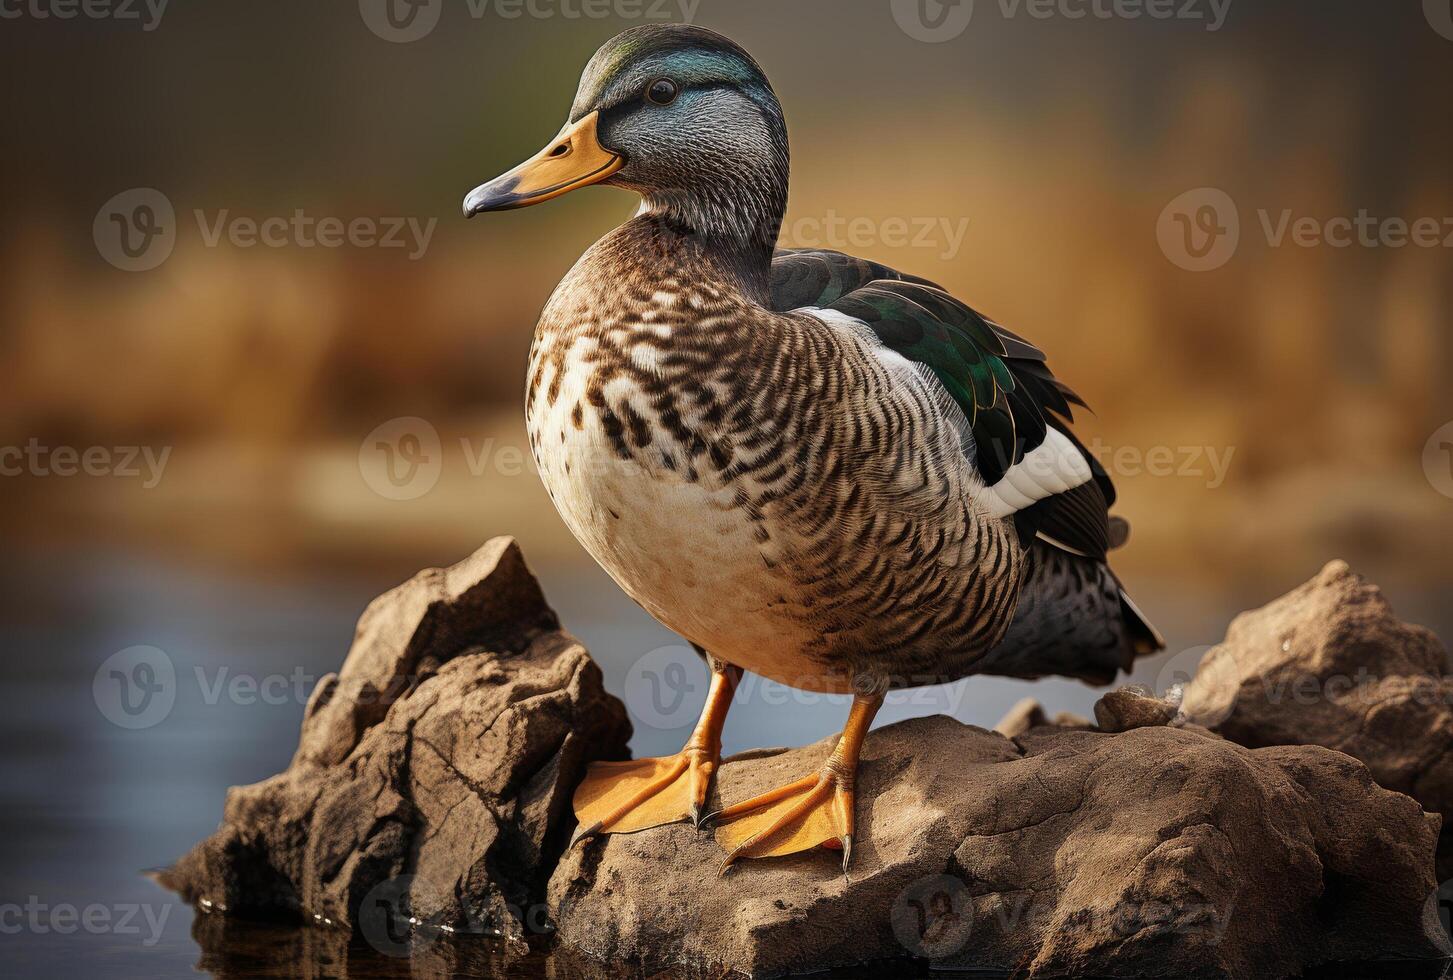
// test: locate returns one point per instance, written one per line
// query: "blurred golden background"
(1024, 164)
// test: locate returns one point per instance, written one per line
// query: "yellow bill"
(574, 158)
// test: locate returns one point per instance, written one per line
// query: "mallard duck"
(809, 465)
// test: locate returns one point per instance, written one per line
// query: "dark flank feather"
(1073, 619)
(1076, 520)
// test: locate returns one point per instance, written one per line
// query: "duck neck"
(733, 226)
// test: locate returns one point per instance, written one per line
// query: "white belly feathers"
(681, 549)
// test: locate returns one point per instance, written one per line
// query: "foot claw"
(792, 818)
(814, 810)
(585, 833)
(624, 797)
(636, 794)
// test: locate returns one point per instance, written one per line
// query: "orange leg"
(623, 797)
(812, 811)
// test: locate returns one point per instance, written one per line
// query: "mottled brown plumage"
(839, 474)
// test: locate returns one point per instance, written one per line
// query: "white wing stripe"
(1052, 467)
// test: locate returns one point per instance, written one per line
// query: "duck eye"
(662, 91)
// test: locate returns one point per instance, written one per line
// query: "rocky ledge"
(1330, 664)
(432, 783)
(434, 772)
(1156, 852)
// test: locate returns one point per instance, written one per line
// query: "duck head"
(679, 114)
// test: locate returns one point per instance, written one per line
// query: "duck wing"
(1018, 412)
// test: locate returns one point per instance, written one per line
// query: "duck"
(811, 466)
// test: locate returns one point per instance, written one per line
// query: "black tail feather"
(1073, 619)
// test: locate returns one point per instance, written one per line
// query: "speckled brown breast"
(773, 486)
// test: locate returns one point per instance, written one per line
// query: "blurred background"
(258, 369)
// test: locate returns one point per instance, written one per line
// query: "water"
(89, 804)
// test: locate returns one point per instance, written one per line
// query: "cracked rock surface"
(1330, 664)
(1155, 852)
(434, 771)
(434, 775)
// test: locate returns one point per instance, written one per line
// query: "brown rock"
(1029, 713)
(440, 762)
(434, 775)
(490, 599)
(1155, 852)
(1330, 664)
(1026, 714)
(1130, 707)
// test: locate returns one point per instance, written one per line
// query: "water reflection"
(234, 950)
(237, 950)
